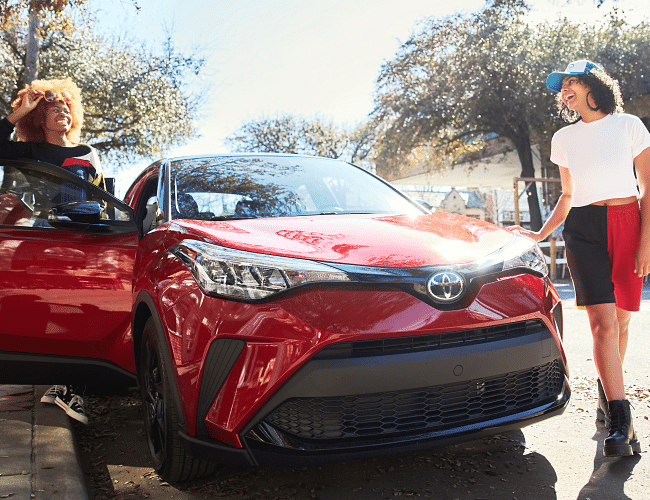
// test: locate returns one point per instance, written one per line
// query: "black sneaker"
(56, 391)
(74, 408)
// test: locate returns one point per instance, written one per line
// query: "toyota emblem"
(446, 286)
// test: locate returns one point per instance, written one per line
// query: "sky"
(301, 57)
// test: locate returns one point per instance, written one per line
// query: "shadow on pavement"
(117, 466)
(610, 474)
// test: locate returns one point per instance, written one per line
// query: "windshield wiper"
(351, 212)
(299, 214)
(221, 217)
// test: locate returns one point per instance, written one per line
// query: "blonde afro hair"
(29, 128)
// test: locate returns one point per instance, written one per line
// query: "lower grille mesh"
(421, 410)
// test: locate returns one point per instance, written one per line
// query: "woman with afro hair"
(47, 117)
(605, 208)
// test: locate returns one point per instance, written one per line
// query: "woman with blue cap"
(605, 207)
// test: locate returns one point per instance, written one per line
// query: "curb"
(57, 467)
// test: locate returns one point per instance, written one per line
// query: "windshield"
(247, 187)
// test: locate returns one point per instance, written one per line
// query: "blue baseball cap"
(554, 80)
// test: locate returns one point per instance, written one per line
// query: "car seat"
(185, 207)
(247, 209)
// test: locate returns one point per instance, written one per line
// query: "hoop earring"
(589, 104)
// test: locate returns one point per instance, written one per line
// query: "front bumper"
(358, 399)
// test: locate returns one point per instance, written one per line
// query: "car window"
(348, 195)
(216, 204)
(214, 188)
(29, 192)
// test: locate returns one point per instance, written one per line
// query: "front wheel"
(161, 416)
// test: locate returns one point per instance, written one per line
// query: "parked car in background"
(277, 309)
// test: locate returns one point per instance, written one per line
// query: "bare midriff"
(615, 201)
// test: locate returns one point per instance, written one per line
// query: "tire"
(161, 415)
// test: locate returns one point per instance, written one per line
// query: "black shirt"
(81, 160)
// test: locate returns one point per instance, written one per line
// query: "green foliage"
(136, 101)
(290, 134)
(461, 77)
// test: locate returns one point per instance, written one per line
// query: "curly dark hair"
(29, 128)
(604, 90)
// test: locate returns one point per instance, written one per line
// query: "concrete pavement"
(38, 455)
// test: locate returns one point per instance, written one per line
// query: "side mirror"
(425, 204)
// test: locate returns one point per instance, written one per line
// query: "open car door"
(66, 260)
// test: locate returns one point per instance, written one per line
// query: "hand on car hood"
(371, 240)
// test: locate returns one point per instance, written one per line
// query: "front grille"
(430, 342)
(430, 409)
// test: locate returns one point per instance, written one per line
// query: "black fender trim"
(48, 369)
(210, 449)
(222, 355)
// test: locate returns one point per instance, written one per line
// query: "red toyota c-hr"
(277, 308)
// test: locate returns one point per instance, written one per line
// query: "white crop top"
(600, 156)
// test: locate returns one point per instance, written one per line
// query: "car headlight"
(524, 253)
(521, 253)
(250, 276)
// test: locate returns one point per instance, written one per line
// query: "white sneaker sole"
(49, 399)
(61, 404)
(78, 417)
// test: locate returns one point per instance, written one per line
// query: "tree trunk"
(33, 47)
(522, 143)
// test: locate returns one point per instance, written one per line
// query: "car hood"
(370, 240)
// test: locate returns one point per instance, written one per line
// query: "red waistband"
(624, 208)
(628, 207)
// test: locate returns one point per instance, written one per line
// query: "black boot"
(622, 440)
(602, 410)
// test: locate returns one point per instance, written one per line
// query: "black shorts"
(601, 243)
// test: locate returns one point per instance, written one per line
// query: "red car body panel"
(439, 238)
(134, 193)
(71, 297)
